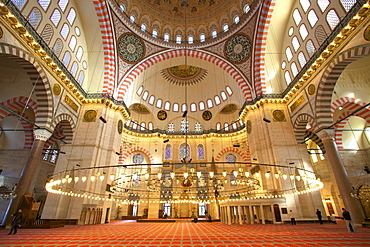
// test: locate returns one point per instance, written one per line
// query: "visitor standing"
(348, 220)
(319, 216)
(292, 217)
(16, 220)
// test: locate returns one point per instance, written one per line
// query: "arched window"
(297, 16)
(140, 90)
(214, 34)
(209, 103)
(305, 4)
(184, 126)
(295, 43)
(184, 107)
(283, 65)
(47, 33)
(79, 53)
(34, 17)
(168, 152)
(178, 39)
(81, 77)
(323, 4)
(66, 58)
(71, 16)
(348, 4)
(218, 126)
(226, 126)
(176, 107)
(236, 19)
(167, 106)
(235, 126)
(145, 95)
(63, 4)
(225, 27)
(74, 68)
(217, 100)
(223, 95)
(143, 27)
(303, 31)
(200, 152)
(202, 37)
(310, 47)
(122, 7)
(190, 39)
(65, 31)
(288, 80)
(228, 90)
(184, 151)
(302, 59)
(320, 34)
(312, 17)
(155, 33)
(150, 126)
(159, 103)
(19, 3)
(151, 100)
(230, 158)
(202, 106)
(138, 159)
(246, 8)
(55, 17)
(294, 69)
(132, 19)
(332, 19)
(193, 107)
(288, 53)
(143, 126)
(72, 43)
(166, 37)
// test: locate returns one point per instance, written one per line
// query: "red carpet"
(129, 233)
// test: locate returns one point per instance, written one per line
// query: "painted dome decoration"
(184, 74)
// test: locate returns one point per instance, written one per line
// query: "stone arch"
(246, 158)
(44, 112)
(351, 105)
(300, 124)
(329, 79)
(313, 137)
(124, 156)
(220, 62)
(16, 105)
(63, 126)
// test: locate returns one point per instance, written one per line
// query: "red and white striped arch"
(260, 45)
(106, 30)
(245, 156)
(124, 156)
(140, 68)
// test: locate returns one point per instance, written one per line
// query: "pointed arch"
(300, 124)
(141, 67)
(124, 156)
(37, 76)
(329, 79)
(68, 126)
(246, 158)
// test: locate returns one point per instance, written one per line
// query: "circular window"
(138, 159)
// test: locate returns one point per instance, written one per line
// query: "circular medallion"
(311, 89)
(162, 115)
(238, 48)
(120, 126)
(1, 33)
(130, 48)
(278, 115)
(367, 34)
(207, 115)
(57, 89)
(249, 126)
(90, 116)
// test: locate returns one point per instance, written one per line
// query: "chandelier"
(136, 184)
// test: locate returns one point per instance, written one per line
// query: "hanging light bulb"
(235, 173)
(76, 179)
(240, 169)
(298, 177)
(199, 174)
(192, 170)
(291, 177)
(224, 173)
(84, 178)
(146, 176)
(257, 174)
(101, 177)
(172, 174)
(64, 180)
(246, 174)
(92, 178)
(69, 180)
(211, 174)
(267, 174)
(276, 175)
(111, 177)
(285, 176)
(186, 175)
(159, 175)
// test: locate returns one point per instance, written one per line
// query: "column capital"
(42, 134)
(326, 134)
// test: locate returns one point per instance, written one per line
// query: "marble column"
(228, 215)
(341, 176)
(29, 172)
(251, 215)
(240, 215)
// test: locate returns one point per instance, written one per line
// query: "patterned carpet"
(129, 233)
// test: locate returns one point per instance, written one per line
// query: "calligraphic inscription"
(162, 115)
(278, 115)
(367, 34)
(249, 126)
(120, 126)
(71, 103)
(297, 103)
(238, 48)
(311, 90)
(57, 90)
(1, 33)
(130, 48)
(90, 115)
(207, 115)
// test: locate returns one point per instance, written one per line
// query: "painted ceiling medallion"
(229, 109)
(184, 74)
(367, 34)
(238, 48)
(120, 126)
(130, 48)
(249, 126)
(311, 89)
(278, 115)
(57, 90)
(162, 115)
(207, 115)
(139, 108)
(90, 116)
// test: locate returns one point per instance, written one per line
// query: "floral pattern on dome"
(238, 48)
(184, 74)
(130, 48)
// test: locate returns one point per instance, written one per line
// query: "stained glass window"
(184, 151)
(200, 152)
(198, 127)
(168, 152)
(230, 158)
(171, 127)
(137, 159)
